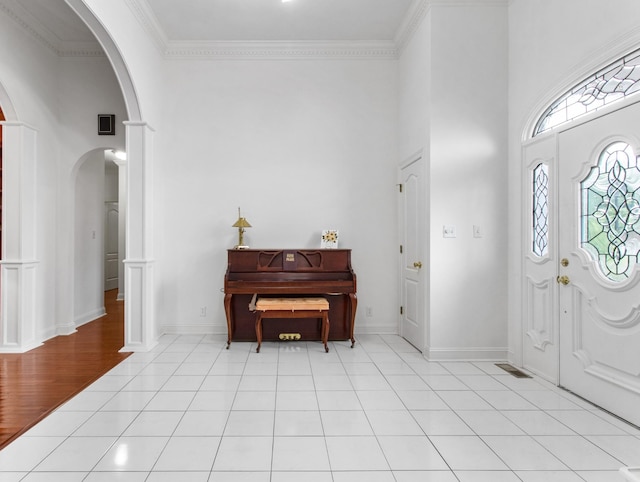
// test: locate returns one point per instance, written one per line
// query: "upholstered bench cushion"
(292, 304)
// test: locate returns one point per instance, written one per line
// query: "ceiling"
(274, 20)
(228, 20)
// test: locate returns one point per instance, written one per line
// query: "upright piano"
(290, 273)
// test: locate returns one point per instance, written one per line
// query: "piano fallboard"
(290, 272)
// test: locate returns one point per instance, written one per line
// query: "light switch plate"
(449, 231)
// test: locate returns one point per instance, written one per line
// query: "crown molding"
(280, 50)
(238, 50)
(145, 16)
(80, 49)
(254, 50)
(410, 24)
(28, 26)
(32, 26)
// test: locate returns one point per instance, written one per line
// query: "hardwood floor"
(33, 384)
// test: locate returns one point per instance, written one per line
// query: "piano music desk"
(317, 308)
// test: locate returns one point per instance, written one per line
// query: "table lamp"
(241, 223)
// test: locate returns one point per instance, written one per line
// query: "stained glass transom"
(610, 214)
(540, 209)
(614, 82)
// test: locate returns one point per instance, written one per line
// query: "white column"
(19, 265)
(122, 225)
(141, 332)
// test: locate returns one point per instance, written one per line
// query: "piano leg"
(227, 310)
(325, 330)
(259, 330)
(354, 304)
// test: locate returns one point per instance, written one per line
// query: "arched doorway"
(98, 237)
(141, 332)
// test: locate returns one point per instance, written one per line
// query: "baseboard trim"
(194, 329)
(466, 354)
(375, 330)
(17, 349)
(90, 316)
(138, 347)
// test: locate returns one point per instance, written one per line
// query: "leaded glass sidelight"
(610, 213)
(540, 209)
(614, 82)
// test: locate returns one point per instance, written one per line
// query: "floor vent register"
(512, 370)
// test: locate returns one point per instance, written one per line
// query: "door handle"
(417, 264)
(564, 280)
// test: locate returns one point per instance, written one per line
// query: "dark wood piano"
(290, 273)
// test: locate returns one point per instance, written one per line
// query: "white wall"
(301, 146)
(89, 238)
(468, 179)
(111, 191)
(454, 104)
(552, 46)
(414, 92)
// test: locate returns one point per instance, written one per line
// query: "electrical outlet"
(368, 311)
(203, 311)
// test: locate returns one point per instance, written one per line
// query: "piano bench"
(293, 308)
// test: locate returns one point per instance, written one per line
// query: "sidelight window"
(540, 210)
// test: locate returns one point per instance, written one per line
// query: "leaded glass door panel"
(599, 280)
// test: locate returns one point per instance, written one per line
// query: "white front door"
(598, 253)
(413, 265)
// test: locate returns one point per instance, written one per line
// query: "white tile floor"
(193, 411)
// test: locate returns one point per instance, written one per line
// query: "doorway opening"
(98, 235)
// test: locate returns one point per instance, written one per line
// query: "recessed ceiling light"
(286, 1)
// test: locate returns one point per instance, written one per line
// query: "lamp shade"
(241, 223)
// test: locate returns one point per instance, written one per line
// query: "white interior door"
(413, 265)
(599, 248)
(111, 246)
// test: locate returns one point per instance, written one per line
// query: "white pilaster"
(141, 332)
(122, 224)
(19, 265)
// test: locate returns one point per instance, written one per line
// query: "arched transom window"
(614, 82)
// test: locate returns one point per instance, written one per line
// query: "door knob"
(417, 264)
(563, 280)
